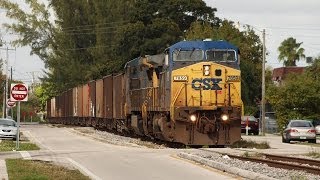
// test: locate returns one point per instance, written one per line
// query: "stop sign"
(19, 92)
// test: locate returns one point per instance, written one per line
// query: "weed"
(298, 177)
(246, 154)
(250, 144)
(314, 153)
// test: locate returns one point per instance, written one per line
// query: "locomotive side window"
(187, 55)
(221, 55)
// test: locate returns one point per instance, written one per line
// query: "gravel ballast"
(246, 169)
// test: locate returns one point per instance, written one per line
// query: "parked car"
(253, 124)
(299, 130)
(318, 129)
(316, 124)
(8, 128)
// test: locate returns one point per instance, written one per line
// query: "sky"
(280, 18)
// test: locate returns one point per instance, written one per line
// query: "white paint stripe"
(25, 155)
(19, 92)
(84, 170)
(33, 139)
(3, 170)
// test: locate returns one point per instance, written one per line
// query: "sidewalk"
(3, 170)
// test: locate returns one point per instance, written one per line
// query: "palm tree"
(290, 52)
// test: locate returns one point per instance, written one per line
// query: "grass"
(298, 177)
(19, 169)
(9, 145)
(306, 143)
(314, 153)
(250, 144)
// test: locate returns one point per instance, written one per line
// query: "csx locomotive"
(190, 94)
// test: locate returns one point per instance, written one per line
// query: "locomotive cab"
(205, 92)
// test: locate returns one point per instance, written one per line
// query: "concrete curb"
(103, 140)
(222, 167)
(3, 170)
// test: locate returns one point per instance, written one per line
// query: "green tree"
(298, 97)
(200, 30)
(34, 28)
(290, 52)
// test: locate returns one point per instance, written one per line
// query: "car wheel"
(285, 140)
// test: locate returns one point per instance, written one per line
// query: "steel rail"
(279, 164)
(289, 163)
(293, 159)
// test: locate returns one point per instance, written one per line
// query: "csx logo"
(206, 84)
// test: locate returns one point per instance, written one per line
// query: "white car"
(8, 128)
(318, 129)
(299, 130)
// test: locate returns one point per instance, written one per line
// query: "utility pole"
(5, 93)
(10, 83)
(263, 123)
(33, 80)
(32, 85)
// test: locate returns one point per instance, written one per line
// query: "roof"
(204, 45)
(282, 72)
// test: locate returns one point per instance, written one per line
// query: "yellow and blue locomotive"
(190, 94)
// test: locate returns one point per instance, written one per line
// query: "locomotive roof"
(205, 45)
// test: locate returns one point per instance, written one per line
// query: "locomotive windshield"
(187, 55)
(221, 55)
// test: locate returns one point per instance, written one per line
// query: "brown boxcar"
(92, 99)
(70, 105)
(48, 108)
(74, 101)
(99, 98)
(86, 100)
(79, 110)
(108, 97)
(53, 107)
(119, 98)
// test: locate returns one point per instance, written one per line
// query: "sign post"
(18, 93)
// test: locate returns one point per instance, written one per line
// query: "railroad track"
(284, 162)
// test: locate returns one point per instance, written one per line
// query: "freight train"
(190, 94)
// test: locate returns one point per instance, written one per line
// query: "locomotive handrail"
(174, 100)
(144, 88)
(234, 87)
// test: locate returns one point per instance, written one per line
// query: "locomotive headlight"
(224, 117)
(193, 118)
(206, 70)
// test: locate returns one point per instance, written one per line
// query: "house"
(280, 74)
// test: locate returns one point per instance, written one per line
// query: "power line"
(96, 47)
(294, 28)
(93, 28)
(91, 25)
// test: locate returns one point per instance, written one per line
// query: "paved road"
(105, 161)
(278, 147)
